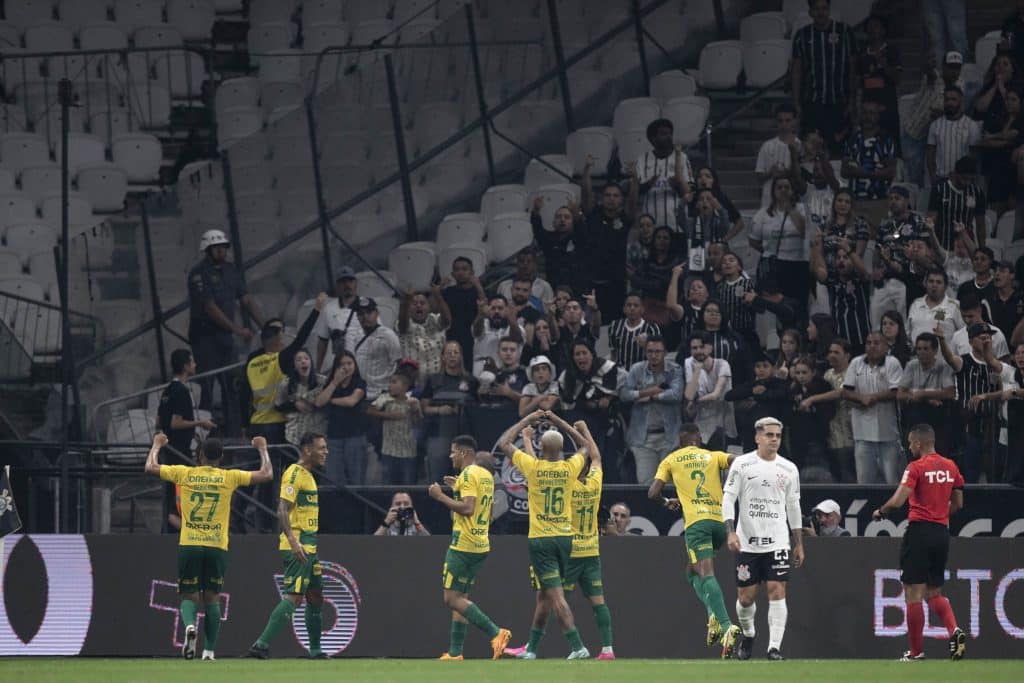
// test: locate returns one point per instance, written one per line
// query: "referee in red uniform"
(934, 486)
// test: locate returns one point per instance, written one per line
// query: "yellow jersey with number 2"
(697, 475)
(549, 491)
(205, 502)
(471, 533)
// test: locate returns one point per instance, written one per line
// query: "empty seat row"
(763, 62)
(139, 155)
(632, 116)
(193, 18)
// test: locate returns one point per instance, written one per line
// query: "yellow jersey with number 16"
(697, 475)
(471, 533)
(299, 488)
(205, 502)
(549, 491)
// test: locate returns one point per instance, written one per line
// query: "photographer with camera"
(824, 520)
(401, 519)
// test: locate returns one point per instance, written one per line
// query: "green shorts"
(201, 568)
(301, 577)
(586, 571)
(549, 560)
(703, 539)
(460, 568)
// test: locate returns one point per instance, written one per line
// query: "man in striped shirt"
(958, 202)
(823, 74)
(849, 293)
(892, 266)
(731, 292)
(664, 174)
(951, 137)
(870, 163)
(627, 337)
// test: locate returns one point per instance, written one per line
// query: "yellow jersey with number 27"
(205, 502)
(549, 492)
(471, 533)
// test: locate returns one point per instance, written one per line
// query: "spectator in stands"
(697, 229)
(991, 102)
(378, 352)
(870, 385)
(639, 247)
(627, 336)
(1002, 135)
(589, 387)
(820, 180)
(951, 137)
(707, 179)
(504, 386)
(573, 329)
(845, 222)
(707, 379)
(780, 156)
(664, 175)
(494, 321)
(880, 68)
(443, 398)
(982, 287)
(544, 342)
(769, 298)
(926, 107)
(400, 415)
(563, 295)
(927, 387)
(541, 393)
(849, 294)
(464, 299)
(778, 234)
(1014, 472)
(526, 269)
(422, 321)
(870, 163)
(972, 310)
(606, 226)
(619, 517)
(654, 275)
(946, 24)
(809, 421)
(891, 263)
(980, 376)
(654, 387)
(824, 75)
(956, 202)
(687, 313)
(563, 245)
(339, 324)
(1013, 34)
(214, 286)
(401, 519)
(525, 305)
(821, 330)
(346, 429)
(296, 398)
(725, 344)
(840, 427)
(735, 293)
(827, 516)
(894, 332)
(1006, 308)
(789, 350)
(763, 396)
(935, 308)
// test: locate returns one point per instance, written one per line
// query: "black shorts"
(924, 553)
(755, 568)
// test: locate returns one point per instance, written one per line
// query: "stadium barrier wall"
(115, 596)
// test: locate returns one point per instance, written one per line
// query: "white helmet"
(212, 238)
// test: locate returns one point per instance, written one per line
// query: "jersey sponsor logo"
(760, 540)
(939, 477)
(290, 490)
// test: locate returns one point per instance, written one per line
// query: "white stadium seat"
(150, 104)
(765, 61)
(6, 179)
(102, 35)
(193, 18)
(279, 94)
(16, 207)
(79, 211)
(10, 265)
(160, 35)
(267, 11)
(507, 235)
(26, 288)
(281, 66)
(763, 26)
(632, 144)
(39, 181)
(106, 123)
(413, 265)
(475, 252)
(502, 199)
(264, 38)
(371, 285)
(688, 116)
(26, 13)
(985, 49)
(539, 171)
(720, 64)
(12, 118)
(554, 197)
(49, 37)
(43, 268)
(28, 238)
(106, 186)
(10, 35)
(460, 227)
(1005, 227)
(673, 83)
(182, 73)
(236, 123)
(132, 14)
(321, 12)
(635, 113)
(79, 13)
(83, 149)
(19, 150)
(597, 142)
(236, 92)
(139, 155)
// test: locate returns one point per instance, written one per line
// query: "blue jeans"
(946, 22)
(913, 158)
(974, 455)
(397, 471)
(877, 462)
(346, 460)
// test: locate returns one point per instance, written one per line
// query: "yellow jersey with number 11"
(205, 502)
(549, 491)
(586, 499)
(697, 475)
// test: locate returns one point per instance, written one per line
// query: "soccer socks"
(535, 636)
(915, 626)
(188, 610)
(715, 601)
(573, 636)
(745, 615)
(777, 613)
(281, 615)
(603, 617)
(695, 581)
(458, 638)
(475, 616)
(211, 626)
(940, 605)
(314, 626)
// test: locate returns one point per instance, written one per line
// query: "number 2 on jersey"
(700, 492)
(199, 500)
(485, 510)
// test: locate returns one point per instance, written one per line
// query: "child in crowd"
(399, 414)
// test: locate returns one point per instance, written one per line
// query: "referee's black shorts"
(924, 553)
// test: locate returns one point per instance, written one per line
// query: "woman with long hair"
(809, 421)
(544, 342)
(1002, 135)
(789, 350)
(725, 343)
(296, 398)
(444, 396)
(346, 428)
(844, 222)
(707, 179)
(779, 235)
(894, 331)
(687, 312)
(639, 247)
(821, 330)
(655, 274)
(990, 104)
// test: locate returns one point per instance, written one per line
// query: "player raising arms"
(549, 481)
(298, 514)
(206, 493)
(697, 475)
(585, 559)
(935, 489)
(471, 522)
(767, 487)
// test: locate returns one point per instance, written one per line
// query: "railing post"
(65, 95)
(480, 95)
(412, 232)
(154, 295)
(719, 18)
(233, 228)
(318, 184)
(640, 46)
(563, 76)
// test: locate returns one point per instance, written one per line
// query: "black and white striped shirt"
(623, 347)
(973, 379)
(850, 303)
(661, 199)
(730, 295)
(955, 206)
(952, 140)
(826, 58)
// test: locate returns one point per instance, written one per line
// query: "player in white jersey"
(767, 488)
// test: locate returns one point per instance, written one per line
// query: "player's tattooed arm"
(798, 547)
(284, 509)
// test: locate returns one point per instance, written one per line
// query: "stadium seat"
(720, 64)
(688, 116)
(996, 245)
(356, 11)
(670, 84)
(77, 14)
(597, 142)
(267, 11)
(25, 239)
(12, 118)
(83, 148)
(319, 36)
(134, 427)
(1005, 227)
(507, 235)
(635, 113)
(236, 92)
(10, 35)
(236, 123)
(6, 180)
(265, 38)
(475, 252)
(102, 35)
(106, 186)
(131, 14)
(368, 31)
(281, 66)
(26, 288)
(24, 13)
(182, 73)
(554, 197)
(321, 12)
(985, 49)
(460, 227)
(765, 61)
(79, 212)
(43, 269)
(413, 265)
(539, 173)
(16, 207)
(150, 104)
(39, 181)
(763, 26)
(139, 155)
(49, 124)
(278, 94)
(632, 144)
(371, 284)
(255, 178)
(10, 265)
(502, 199)
(435, 122)
(388, 308)
(257, 205)
(106, 123)
(49, 37)
(19, 150)
(193, 18)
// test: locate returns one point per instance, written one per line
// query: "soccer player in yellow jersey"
(471, 524)
(298, 514)
(549, 481)
(697, 475)
(205, 493)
